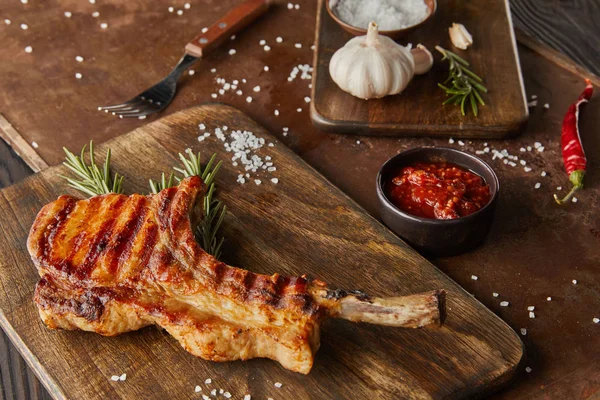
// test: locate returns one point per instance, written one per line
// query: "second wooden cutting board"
(302, 224)
(418, 110)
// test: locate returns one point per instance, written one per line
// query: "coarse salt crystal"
(197, 389)
(24, 27)
(232, 37)
(205, 397)
(256, 88)
(179, 12)
(574, 199)
(221, 91)
(28, 49)
(266, 68)
(7, 21)
(213, 70)
(533, 97)
(204, 30)
(191, 72)
(541, 149)
(232, 52)
(267, 48)
(262, 42)
(290, 6)
(257, 181)
(307, 99)
(276, 112)
(523, 331)
(114, 378)
(528, 369)
(171, 9)
(213, 392)
(549, 298)
(208, 381)
(279, 39)
(523, 149)
(532, 103)
(530, 308)
(34, 145)
(543, 173)
(221, 391)
(278, 384)
(275, 181)
(537, 185)
(78, 75)
(504, 303)
(358, 142)
(202, 127)
(92, 1)
(528, 148)
(249, 99)
(239, 92)
(187, 6)
(299, 109)
(79, 59)
(68, 14)
(461, 143)
(104, 25)
(512, 164)
(495, 294)
(527, 169)
(244, 80)
(596, 320)
(546, 106)
(531, 314)
(474, 277)
(523, 162)
(247, 397)
(536, 145)
(95, 14)
(123, 377)
(298, 45)
(451, 141)
(297, 6)
(227, 395)
(559, 188)
(574, 281)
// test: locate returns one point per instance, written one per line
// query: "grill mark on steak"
(59, 220)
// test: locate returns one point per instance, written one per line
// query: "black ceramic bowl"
(434, 236)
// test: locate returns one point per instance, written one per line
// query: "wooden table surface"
(563, 349)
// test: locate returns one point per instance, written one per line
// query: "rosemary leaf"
(465, 84)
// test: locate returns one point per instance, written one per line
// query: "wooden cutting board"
(303, 224)
(418, 110)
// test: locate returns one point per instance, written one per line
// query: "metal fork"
(160, 95)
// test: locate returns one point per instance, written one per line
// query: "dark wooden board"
(418, 110)
(301, 225)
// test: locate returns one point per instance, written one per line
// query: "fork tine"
(128, 103)
(139, 113)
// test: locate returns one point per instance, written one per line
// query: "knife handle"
(232, 22)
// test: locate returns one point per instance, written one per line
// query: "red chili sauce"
(437, 190)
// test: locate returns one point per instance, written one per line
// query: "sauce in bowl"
(437, 190)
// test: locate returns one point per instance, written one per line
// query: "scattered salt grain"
(299, 109)
(275, 181)
(227, 395)
(549, 298)
(104, 25)
(114, 378)
(208, 381)
(543, 173)
(461, 143)
(532, 103)
(528, 148)
(204, 30)
(266, 48)
(197, 389)
(24, 1)
(541, 149)
(28, 49)
(232, 37)
(95, 14)
(537, 145)
(495, 294)
(191, 72)
(474, 277)
(68, 14)
(34, 145)
(285, 129)
(574, 281)
(528, 369)
(290, 6)
(249, 99)
(247, 397)
(213, 70)
(504, 303)
(276, 112)
(213, 392)
(527, 169)
(232, 52)
(179, 12)
(574, 199)
(279, 39)
(202, 127)
(266, 68)
(512, 164)
(297, 6)
(533, 97)
(221, 391)
(523, 331)
(123, 377)
(559, 188)
(239, 92)
(531, 314)
(530, 308)
(7, 21)
(78, 75)
(537, 185)
(307, 99)
(298, 45)
(92, 1)
(522, 149)
(523, 162)
(451, 141)
(79, 59)
(171, 9)
(546, 106)
(24, 27)
(358, 142)
(205, 397)
(187, 6)
(256, 88)
(278, 384)
(257, 181)
(596, 320)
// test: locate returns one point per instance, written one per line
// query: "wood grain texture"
(418, 110)
(18, 143)
(301, 225)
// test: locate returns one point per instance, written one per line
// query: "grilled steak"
(116, 263)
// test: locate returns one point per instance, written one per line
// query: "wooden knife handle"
(232, 22)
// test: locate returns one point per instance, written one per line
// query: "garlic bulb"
(460, 36)
(374, 66)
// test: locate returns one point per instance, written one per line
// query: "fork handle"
(232, 22)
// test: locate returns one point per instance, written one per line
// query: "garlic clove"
(423, 59)
(460, 36)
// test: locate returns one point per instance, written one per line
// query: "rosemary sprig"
(214, 210)
(91, 179)
(466, 85)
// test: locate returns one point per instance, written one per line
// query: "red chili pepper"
(572, 148)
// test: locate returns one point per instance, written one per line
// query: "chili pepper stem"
(576, 179)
